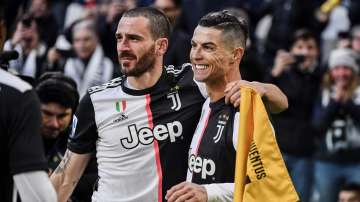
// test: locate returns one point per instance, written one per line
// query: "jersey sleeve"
(236, 129)
(83, 136)
(25, 143)
(220, 192)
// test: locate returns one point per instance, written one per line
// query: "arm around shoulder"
(275, 100)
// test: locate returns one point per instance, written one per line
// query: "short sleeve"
(26, 150)
(83, 136)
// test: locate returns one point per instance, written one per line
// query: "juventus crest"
(223, 118)
(175, 98)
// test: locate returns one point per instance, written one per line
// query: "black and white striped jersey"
(212, 152)
(141, 137)
(21, 148)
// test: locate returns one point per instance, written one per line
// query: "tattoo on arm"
(64, 163)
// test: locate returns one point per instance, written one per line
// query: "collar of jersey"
(145, 91)
(218, 104)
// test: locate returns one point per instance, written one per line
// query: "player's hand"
(186, 191)
(232, 91)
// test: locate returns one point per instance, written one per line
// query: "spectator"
(349, 193)
(287, 17)
(337, 118)
(59, 99)
(45, 20)
(88, 65)
(32, 52)
(179, 41)
(298, 75)
(355, 41)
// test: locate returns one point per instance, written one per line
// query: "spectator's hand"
(53, 56)
(18, 34)
(114, 9)
(187, 191)
(232, 91)
(283, 60)
(341, 93)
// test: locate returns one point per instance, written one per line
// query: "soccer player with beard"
(140, 125)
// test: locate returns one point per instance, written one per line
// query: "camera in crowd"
(26, 21)
(66, 53)
(299, 59)
(5, 57)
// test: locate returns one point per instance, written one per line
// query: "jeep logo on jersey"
(146, 135)
(223, 118)
(174, 96)
(201, 165)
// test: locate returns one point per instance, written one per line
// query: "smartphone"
(299, 59)
(66, 53)
(26, 22)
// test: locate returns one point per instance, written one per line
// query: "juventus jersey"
(141, 137)
(212, 152)
(21, 148)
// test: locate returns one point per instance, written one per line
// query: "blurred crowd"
(309, 48)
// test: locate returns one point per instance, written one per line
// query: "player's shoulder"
(106, 86)
(14, 82)
(179, 71)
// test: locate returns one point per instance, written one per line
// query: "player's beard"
(146, 63)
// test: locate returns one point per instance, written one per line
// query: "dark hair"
(303, 34)
(235, 29)
(351, 187)
(158, 22)
(177, 3)
(2, 10)
(58, 88)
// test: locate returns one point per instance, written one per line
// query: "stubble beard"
(146, 63)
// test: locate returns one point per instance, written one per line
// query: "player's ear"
(161, 46)
(238, 53)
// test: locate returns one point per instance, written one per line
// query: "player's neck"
(216, 89)
(147, 79)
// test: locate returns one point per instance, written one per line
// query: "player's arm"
(26, 156)
(81, 145)
(275, 100)
(68, 173)
(35, 186)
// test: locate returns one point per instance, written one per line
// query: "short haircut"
(57, 88)
(351, 187)
(303, 34)
(235, 30)
(158, 22)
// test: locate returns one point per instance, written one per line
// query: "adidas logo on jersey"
(121, 117)
(146, 135)
(201, 165)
